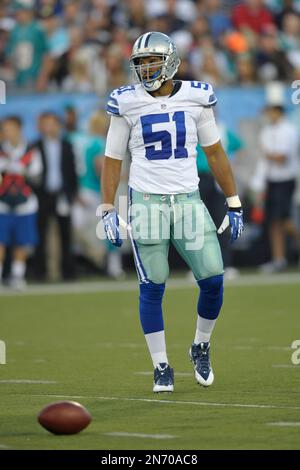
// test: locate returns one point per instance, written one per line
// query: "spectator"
(57, 36)
(89, 149)
(245, 70)
(73, 15)
(120, 38)
(290, 35)
(134, 12)
(219, 21)
(46, 7)
(199, 28)
(251, 15)
(276, 173)
(56, 193)
(290, 40)
(271, 61)
(19, 166)
(79, 79)
(93, 35)
(208, 62)
(180, 12)
(159, 23)
(283, 7)
(27, 49)
(115, 71)
(6, 26)
(214, 67)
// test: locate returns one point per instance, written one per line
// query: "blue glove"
(234, 219)
(111, 227)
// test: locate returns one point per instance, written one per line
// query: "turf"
(92, 347)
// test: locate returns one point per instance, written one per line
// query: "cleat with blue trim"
(163, 378)
(199, 355)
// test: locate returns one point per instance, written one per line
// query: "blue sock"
(151, 316)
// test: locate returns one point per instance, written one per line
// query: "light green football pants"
(183, 219)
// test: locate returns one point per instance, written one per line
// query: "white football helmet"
(153, 75)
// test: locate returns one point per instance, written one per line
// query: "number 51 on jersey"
(164, 137)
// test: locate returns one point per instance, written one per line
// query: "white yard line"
(173, 402)
(262, 348)
(178, 374)
(125, 286)
(286, 424)
(142, 436)
(183, 346)
(27, 381)
(285, 366)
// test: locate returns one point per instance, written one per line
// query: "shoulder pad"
(116, 104)
(203, 93)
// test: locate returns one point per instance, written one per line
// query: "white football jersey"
(163, 133)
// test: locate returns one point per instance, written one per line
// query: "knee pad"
(211, 297)
(151, 317)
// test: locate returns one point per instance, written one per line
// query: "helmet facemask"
(150, 75)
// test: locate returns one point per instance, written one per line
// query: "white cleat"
(205, 382)
(199, 355)
(163, 378)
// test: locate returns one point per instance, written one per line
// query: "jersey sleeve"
(203, 93)
(113, 105)
(207, 129)
(117, 138)
(210, 97)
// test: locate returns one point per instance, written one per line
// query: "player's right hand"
(111, 226)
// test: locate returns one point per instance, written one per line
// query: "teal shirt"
(231, 143)
(87, 148)
(26, 47)
(90, 179)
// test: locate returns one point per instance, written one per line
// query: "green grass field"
(91, 348)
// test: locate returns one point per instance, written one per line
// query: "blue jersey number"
(164, 137)
(122, 89)
(202, 85)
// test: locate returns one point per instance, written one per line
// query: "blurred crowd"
(84, 45)
(50, 187)
(49, 194)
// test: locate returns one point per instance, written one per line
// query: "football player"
(159, 121)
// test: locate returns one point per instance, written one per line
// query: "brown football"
(64, 417)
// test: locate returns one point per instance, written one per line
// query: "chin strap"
(161, 82)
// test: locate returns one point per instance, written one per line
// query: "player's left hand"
(234, 219)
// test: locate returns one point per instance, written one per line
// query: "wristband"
(234, 202)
